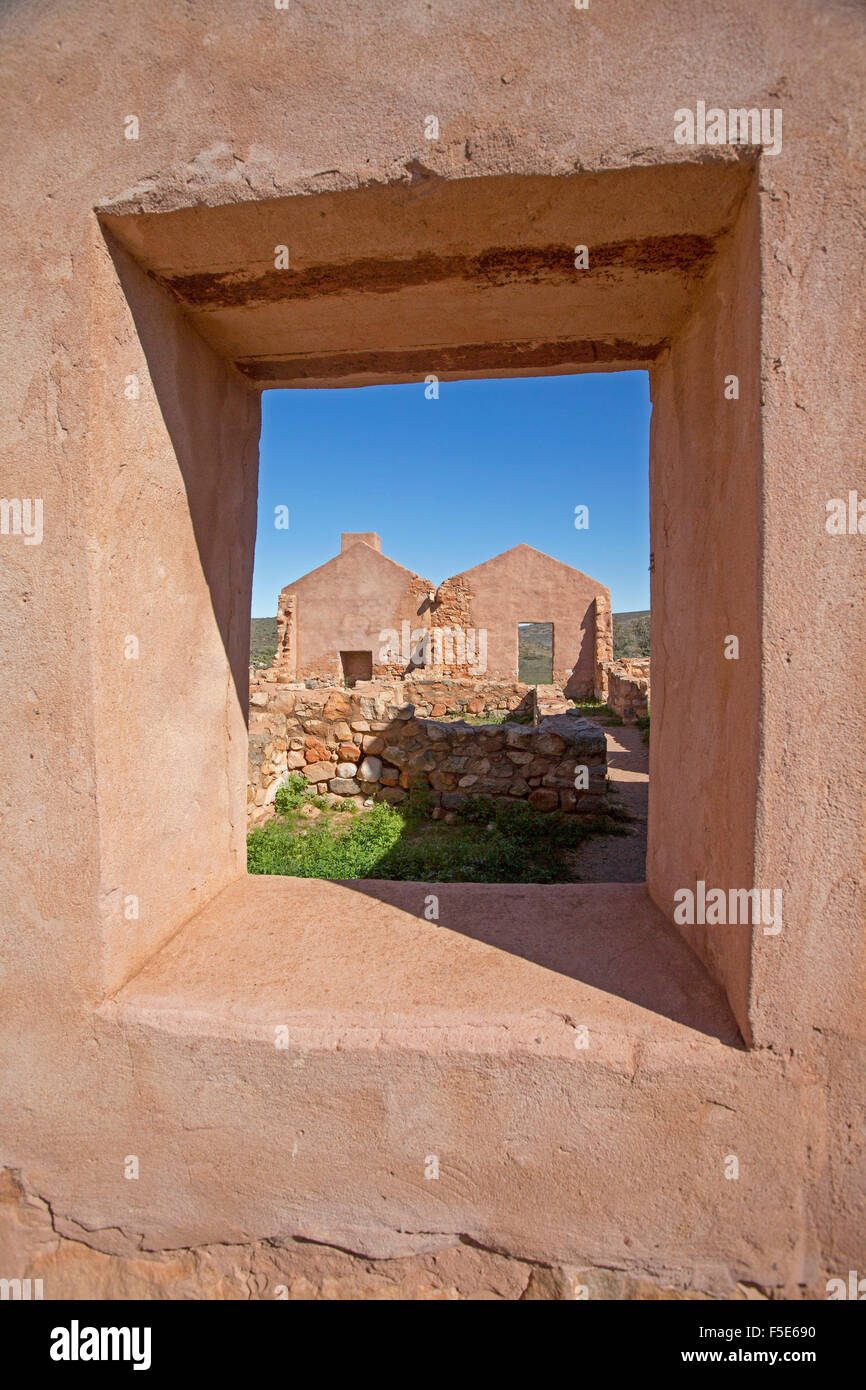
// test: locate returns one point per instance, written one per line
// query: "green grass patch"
(490, 842)
(598, 708)
(482, 720)
(477, 720)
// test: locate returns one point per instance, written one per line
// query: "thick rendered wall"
(240, 103)
(172, 548)
(525, 586)
(352, 603)
(705, 525)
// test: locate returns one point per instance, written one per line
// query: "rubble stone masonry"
(374, 741)
(628, 687)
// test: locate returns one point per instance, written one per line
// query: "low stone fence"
(628, 688)
(370, 742)
(435, 697)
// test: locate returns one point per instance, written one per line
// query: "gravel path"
(620, 858)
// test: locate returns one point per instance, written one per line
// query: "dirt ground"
(620, 858)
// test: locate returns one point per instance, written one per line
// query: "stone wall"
(603, 644)
(628, 687)
(370, 743)
(436, 696)
(469, 695)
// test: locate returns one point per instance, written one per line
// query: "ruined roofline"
(341, 555)
(535, 551)
(461, 574)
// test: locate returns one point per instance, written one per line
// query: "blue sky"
(448, 483)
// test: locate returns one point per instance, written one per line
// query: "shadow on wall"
(213, 423)
(581, 682)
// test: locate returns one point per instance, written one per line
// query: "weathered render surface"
(144, 976)
(346, 605)
(525, 586)
(355, 600)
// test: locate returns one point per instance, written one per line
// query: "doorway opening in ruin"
(535, 653)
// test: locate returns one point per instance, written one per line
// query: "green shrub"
(321, 851)
(296, 791)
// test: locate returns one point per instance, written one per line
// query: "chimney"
(350, 538)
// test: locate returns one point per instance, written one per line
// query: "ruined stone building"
(363, 616)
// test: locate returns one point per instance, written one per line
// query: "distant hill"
(535, 653)
(631, 637)
(263, 641)
(631, 634)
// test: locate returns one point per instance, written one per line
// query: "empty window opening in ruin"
(535, 653)
(444, 644)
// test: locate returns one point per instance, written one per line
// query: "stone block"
(320, 772)
(315, 751)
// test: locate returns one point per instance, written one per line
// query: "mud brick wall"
(373, 743)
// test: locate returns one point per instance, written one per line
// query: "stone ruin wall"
(286, 658)
(449, 614)
(452, 610)
(603, 644)
(458, 656)
(629, 688)
(373, 741)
